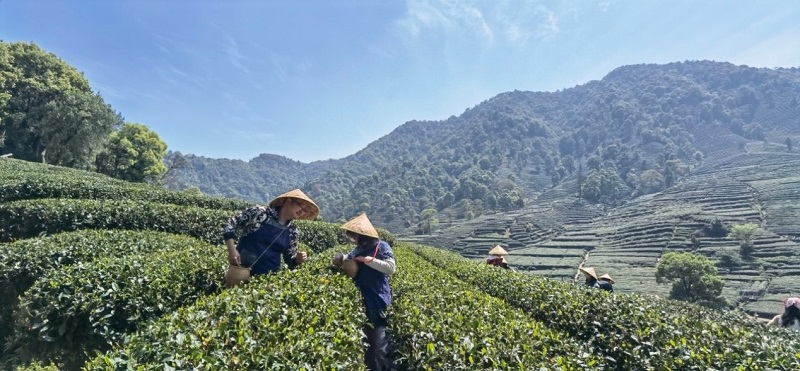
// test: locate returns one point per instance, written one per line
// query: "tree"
(450, 215)
(602, 184)
(48, 111)
(173, 161)
(428, 221)
(193, 190)
(73, 128)
(744, 233)
(135, 153)
(694, 278)
(6, 80)
(651, 181)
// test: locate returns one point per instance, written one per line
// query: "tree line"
(50, 114)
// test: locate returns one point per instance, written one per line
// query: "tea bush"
(23, 180)
(32, 218)
(633, 331)
(89, 306)
(306, 319)
(25, 261)
(441, 323)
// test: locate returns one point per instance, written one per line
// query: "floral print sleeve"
(246, 222)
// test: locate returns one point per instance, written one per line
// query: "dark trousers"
(378, 347)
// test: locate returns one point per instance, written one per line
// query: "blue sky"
(313, 80)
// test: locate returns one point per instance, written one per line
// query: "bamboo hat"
(788, 302)
(498, 250)
(607, 277)
(298, 194)
(361, 225)
(589, 272)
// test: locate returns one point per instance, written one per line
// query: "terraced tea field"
(556, 233)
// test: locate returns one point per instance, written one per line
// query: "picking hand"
(337, 260)
(301, 257)
(364, 259)
(234, 258)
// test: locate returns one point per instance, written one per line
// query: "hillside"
(612, 173)
(119, 275)
(553, 236)
(640, 129)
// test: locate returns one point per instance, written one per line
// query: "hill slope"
(612, 173)
(646, 125)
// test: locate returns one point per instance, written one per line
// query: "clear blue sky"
(313, 80)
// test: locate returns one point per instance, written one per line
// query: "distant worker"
(591, 276)
(791, 314)
(497, 259)
(605, 282)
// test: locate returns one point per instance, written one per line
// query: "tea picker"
(259, 237)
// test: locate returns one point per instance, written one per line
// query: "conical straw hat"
(498, 250)
(607, 277)
(589, 271)
(296, 193)
(361, 225)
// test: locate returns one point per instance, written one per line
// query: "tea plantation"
(557, 231)
(98, 274)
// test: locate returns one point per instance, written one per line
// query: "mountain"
(258, 180)
(610, 174)
(635, 132)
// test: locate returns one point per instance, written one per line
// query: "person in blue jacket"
(375, 264)
(605, 282)
(259, 236)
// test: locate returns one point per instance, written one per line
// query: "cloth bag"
(236, 275)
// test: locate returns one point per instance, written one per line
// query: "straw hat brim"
(361, 225)
(608, 278)
(498, 250)
(296, 193)
(588, 271)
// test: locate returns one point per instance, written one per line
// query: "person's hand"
(364, 259)
(337, 260)
(234, 258)
(301, 257)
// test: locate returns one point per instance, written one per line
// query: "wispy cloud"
(279, 66)
(108, 91)
(524, 22)
(780, 50)
(513, 22)
(445, 17)
(178, 76)
(234, 102)
(234, 55)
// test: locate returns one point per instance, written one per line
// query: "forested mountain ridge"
(258, 180)
(629, 134)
